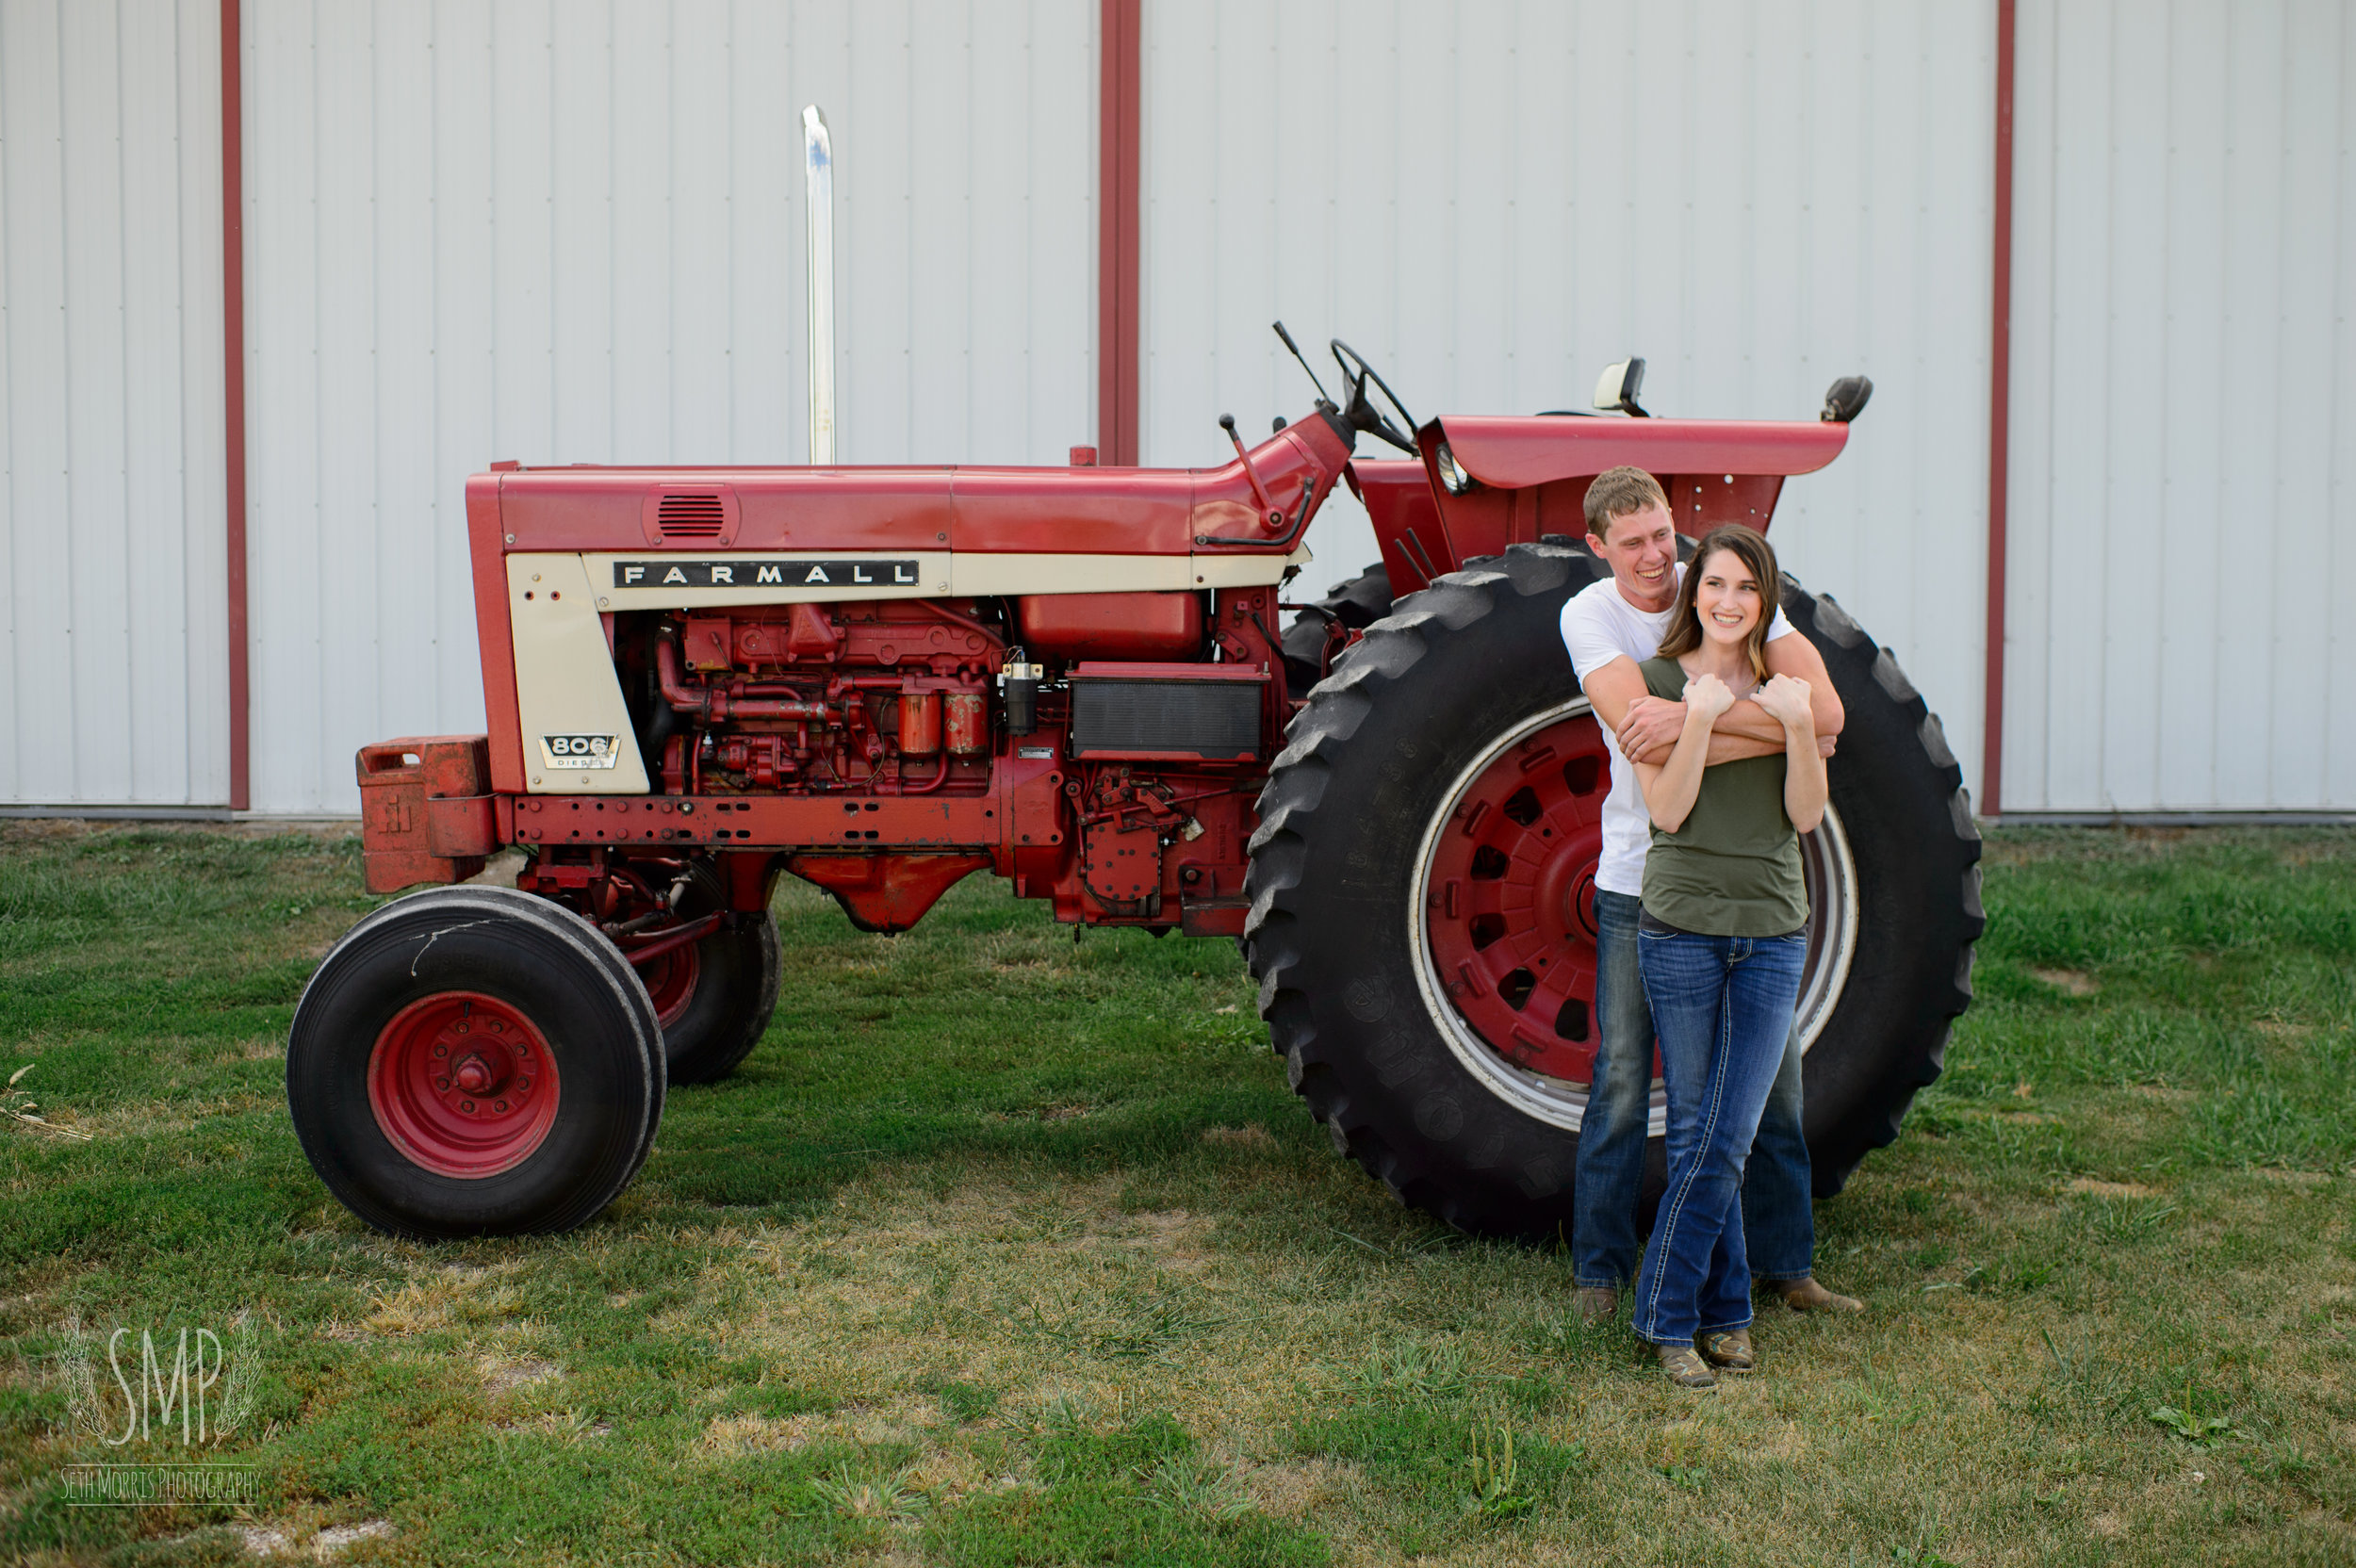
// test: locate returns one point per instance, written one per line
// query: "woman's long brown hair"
(1751, 547)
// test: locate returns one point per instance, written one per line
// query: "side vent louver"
(691, 516)
(704, 515)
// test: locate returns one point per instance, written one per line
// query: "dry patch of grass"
(2087, 1186)
(501, 1376)
(2070, 982)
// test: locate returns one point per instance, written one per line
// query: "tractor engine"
(1107, 744)
(876, 698)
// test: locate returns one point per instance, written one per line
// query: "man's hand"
(1651, 723)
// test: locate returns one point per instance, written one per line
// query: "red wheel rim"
(1509, 908)
(463, 1084)
(670, 983)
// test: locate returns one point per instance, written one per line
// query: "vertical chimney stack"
(818, 169)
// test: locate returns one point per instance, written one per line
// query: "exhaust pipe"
(818, 171)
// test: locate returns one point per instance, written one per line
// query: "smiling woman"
(1722, 941)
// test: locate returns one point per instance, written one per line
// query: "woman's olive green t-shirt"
(1733, 869)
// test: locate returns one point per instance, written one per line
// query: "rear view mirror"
(1846, 398)
(1619, 384)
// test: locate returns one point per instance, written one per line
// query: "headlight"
(1452, 472)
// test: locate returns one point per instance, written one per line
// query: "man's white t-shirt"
(1598, 626)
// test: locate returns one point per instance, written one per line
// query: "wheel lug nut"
(466, 1106)
(441, 1083)
(500, 1105)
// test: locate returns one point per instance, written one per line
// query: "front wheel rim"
(1513, 1068)
(463, 1084)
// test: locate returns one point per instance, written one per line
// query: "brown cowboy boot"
(1730, 1349)
(1596, 1304)
(1685, 1366)
(1806, 1295)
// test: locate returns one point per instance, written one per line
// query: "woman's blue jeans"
(1778, 1229)
(1722, 1009)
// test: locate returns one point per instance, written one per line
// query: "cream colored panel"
(681, 582)
(982, 575)
(576, 733)
(1247, 571)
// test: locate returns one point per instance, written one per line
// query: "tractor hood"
(1514, 451)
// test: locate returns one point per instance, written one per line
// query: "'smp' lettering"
(777, 573)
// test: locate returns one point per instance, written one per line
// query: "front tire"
(714, 1000)
(474, 1061)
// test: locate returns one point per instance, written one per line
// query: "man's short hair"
(1621, 493)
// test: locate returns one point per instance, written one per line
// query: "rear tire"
(1900, 798)
(474, 1061)
(1465, 681)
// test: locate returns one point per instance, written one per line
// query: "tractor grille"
(1217, 720)
(691, 517)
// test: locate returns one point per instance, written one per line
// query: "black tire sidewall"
(1358, 1033)
(1899, 794)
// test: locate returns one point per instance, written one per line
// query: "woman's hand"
(1671, 789)
(1707, 696)
(1785, 698)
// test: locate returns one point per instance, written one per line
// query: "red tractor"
(882, 680)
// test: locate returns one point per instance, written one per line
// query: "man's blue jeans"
(1778, 1221)
(1722, 1007)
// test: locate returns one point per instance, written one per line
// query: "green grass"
(1003, 1249)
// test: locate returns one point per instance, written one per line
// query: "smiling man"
(1608, 627)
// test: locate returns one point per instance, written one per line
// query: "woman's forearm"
(1803, 777)
(1671, 789)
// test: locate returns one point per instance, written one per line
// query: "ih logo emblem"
(581, 751)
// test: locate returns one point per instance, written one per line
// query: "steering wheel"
(1358, 410)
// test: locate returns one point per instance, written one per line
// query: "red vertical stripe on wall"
(233, 387)
(1120, 78)
(1999, 427)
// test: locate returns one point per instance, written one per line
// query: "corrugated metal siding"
(574, 234)
(2184, 408)
(113, 665)
(1494, 201)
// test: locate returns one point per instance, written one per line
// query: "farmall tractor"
(882, 680)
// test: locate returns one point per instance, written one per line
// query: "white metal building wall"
(573, 233)
(2183, 408)
(1493, 201)
(113, 665)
